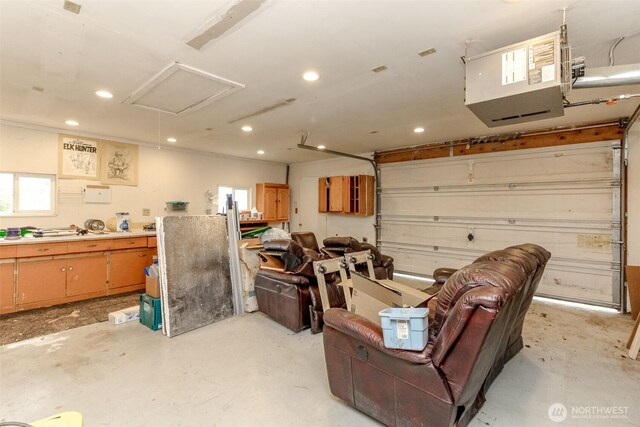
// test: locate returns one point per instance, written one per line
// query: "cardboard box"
(250, 243)
(370, 296)
(125, 315)
(152, 287)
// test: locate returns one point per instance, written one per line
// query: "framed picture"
(78, 157)
(119, 163)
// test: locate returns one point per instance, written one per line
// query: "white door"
(308, 218)
(446, 212)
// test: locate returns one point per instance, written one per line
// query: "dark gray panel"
(198, 280)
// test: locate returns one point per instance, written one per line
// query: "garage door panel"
(590, 245)
(414, 261)
(561, 279)
(584, 203)
(593, 286)
(547, 165)
(565, 199)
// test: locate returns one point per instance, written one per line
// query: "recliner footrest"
(286, 303)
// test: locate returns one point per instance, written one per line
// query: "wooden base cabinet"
(127, 267)
(49, 273)
(41, 280)
(86, 275)
(7, 286)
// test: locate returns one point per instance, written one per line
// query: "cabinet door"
(366, 195)
(41, 280)
(335, 194)
(7, 289)
(323, 195)
(87, 274)
(126, 268)
(270, 204)
(283, 204)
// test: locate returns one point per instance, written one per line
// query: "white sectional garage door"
(564, 198)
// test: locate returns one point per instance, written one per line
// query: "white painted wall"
(633, 198)
(164, 175)
(327, 224)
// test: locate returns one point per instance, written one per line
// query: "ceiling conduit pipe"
(613, 75)
(373, 163)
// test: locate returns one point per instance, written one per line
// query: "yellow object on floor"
(63, 419)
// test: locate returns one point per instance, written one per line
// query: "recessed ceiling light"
(310, 76)
(418, 130)
(261, 152)
(246, 128)
(72, 123)
(172, 140)
(321, 147)
(104, 94)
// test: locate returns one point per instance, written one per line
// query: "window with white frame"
(27, 194)
(242, 195)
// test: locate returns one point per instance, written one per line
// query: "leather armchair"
(477, 327)
(287, 289)
(340, 245)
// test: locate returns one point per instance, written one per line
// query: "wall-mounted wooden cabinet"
(346, 194)
(273, 201)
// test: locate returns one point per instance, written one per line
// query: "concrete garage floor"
(250, 371)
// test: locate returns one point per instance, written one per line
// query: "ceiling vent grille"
(179, 89)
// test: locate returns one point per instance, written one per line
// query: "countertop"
(74, 237)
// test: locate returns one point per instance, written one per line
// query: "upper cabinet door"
(283, 205)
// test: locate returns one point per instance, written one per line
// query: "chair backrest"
(306, 239)
(474, 316)
(342, 244)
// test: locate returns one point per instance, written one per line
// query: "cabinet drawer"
(41, 249)
(133, 242)
(90, 245)
(152, 242)
(7, 251)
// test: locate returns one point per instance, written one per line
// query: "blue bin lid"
(401, 313)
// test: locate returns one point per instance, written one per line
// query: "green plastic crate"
(150, 312)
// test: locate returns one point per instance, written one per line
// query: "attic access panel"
(179, 89)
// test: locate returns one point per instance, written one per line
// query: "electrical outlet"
(146, 211)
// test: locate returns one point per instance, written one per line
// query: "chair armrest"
(292, 279)
(441, 275)
(387, 260)
(369, 333)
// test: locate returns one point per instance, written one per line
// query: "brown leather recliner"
(287, 289)
(306, 239)
(340, 245)
(477, 328)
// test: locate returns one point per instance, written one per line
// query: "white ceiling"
(120, 45)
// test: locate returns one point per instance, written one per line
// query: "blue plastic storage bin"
(405, 328)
